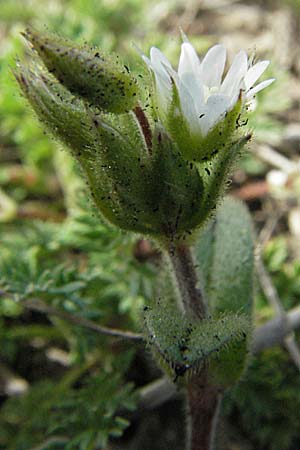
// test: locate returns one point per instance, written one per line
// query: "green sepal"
(178, 128)
(216, 175)
(85, 71)
(62, 113)
(176, 191)
(225, 257)
(222, 136)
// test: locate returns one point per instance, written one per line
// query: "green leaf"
(184, 345)
(224, 253)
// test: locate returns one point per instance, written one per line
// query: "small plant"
(157, 150)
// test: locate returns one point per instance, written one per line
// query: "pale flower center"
(208, 91)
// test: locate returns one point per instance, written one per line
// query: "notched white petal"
(158, 58)
(232, 81)
(216, 108)
(188, 108)
(204, 98)
(259, 87)
(194, 87)
(254, 73)
(188, 61)
(213, 66)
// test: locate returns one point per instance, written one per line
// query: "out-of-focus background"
(65, 386)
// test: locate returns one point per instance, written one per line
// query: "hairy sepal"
(176, 191)
(87, 72)
(216, 176)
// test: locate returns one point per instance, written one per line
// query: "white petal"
(159, 63)
(259, 87)
(158, 59)
(195, 88)
(254, 73)
(216, 107)
(147, 61)
(213, 66)
(235, 74)
(163, 91)
(188, 108)
(188, 61)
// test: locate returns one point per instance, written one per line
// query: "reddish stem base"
(203, 408)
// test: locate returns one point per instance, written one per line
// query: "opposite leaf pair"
(183, 344)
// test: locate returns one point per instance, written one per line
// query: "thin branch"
(37, 305)
(272, 294)
(267, 231)
(52, 440)
(272, 157)
(293, 349)
(268, 287)
(156, 393)
(275, 331)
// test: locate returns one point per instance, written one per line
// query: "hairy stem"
(187, 281)
(203, 399)
(203, 410)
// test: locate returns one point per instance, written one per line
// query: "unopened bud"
(86, 71)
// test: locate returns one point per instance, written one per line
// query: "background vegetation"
(64, 385)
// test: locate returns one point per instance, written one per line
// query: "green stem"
(203, 399)
(187, 281)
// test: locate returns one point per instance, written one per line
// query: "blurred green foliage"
(265, 405)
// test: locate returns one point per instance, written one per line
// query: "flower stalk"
(203, 399)
(203, 411)
(184, 270)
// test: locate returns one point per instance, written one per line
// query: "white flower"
(205, 95)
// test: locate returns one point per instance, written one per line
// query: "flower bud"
(111, 165)
(85, 71)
